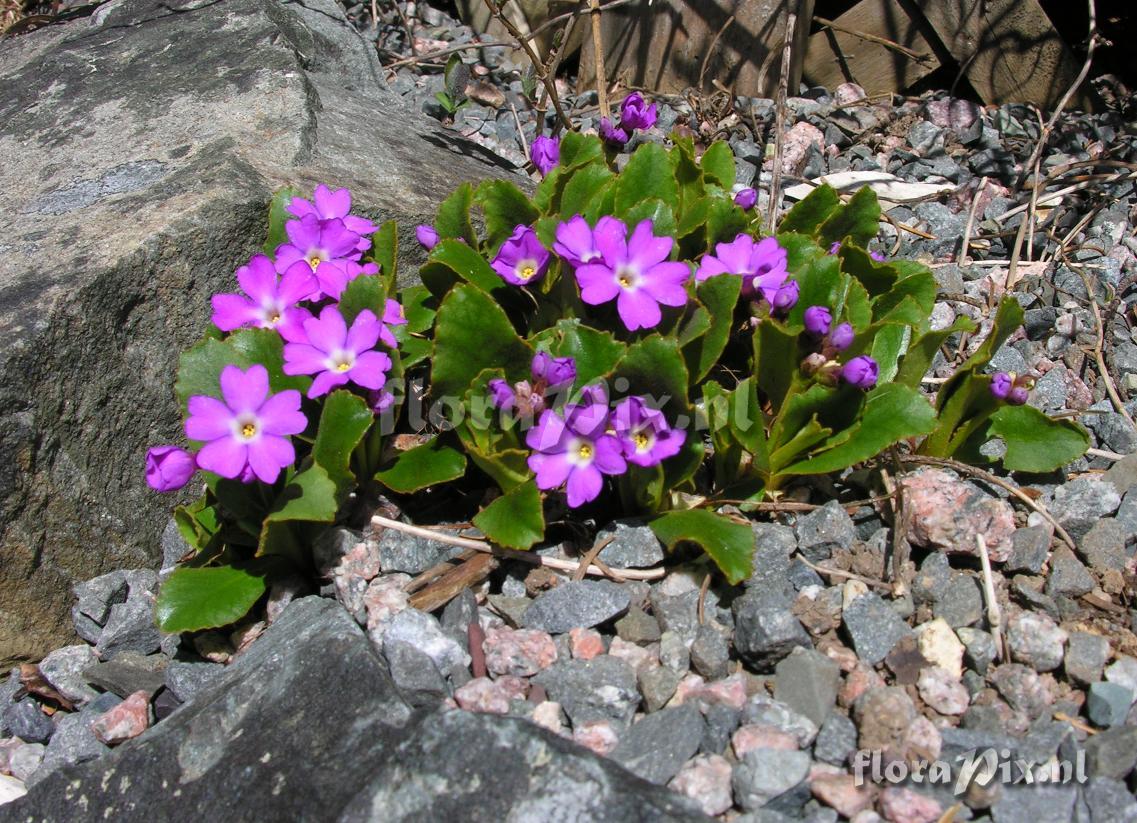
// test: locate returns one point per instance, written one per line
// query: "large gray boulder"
(141, 146)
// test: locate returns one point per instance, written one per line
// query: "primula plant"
(619, 343)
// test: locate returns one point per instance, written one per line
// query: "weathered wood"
(836, 55)
(661, 45)
(451, 584)
(1008, 49)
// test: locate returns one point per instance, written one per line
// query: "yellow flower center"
(627, 277)
(314, 261)
(248, 430)
(585, 451)
(641, 440)
(526, 272)
(274, 318)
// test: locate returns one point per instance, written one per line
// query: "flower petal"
(244, 391)
(232, 311)
(326, 381)
(280, 414)
(301, 358)
(610, 237)
(645, 249)
(608, 456)
(208, 418)
(638, 309)
(551, 469)
(597, 283)
(225, 456)
(370, 370)
(332, 204)
(258, 278)
(268, 455)
(549, 435)
(364, 332)
(329, 332)
(584, 484)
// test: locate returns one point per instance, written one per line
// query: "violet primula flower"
(332, 280)
(644, 434)
(576, 243)
(168, 468)
(427, 236)
(1018, 396)
(746, 198)
(761, 265)
(877, 256)
(636, 114)
(636, 275)
(614, 136)
(334, 205)
(247, 433)
(552, 373)
(575, 451)
(836, 247)
(501, 394)
(380, 400)
(271, 302)
(1001, 385)
(862, 372)
(393, 315)
(522, 259)
(817, 320)
(841, 337)
(785, 298)
(546, 153)
(337, 354)
(320, 244)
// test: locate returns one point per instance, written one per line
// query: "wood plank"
(660, 45)
(1009, 49)
(834, 56)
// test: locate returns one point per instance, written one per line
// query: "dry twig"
(780, 121)
(872, 38)
(868, 581)
(994, 614)
(1099, 354)
(711, 51)
(598, 53)
(965, 248)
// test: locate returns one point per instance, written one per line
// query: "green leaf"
(719, 295)
(385, 252)
(453, 219)
(199, 368)
(918, 359)
(1035, 442)
(472, 334)
(505, 207)
(748, 424)
(729, 544)
(582, 187)
(277, 217)
(891, 414)
(419, 307)
(647, 175)
(364, 292)
(343, 423)
(309, 496)
(718, 164)
(596, 352)
(654, 367)
(514, 520)
(452, 261)
(578, 149)
(776, 360)
(655, 210)
(808, 215)
(725, 221)
(427, 465)
(858, 219)
(192, 599)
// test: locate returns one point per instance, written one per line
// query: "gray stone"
(764, 775)
(637, 626)
(65, 670)
(422, 631)
(1103, 546)
(1031, 547)
(1086, 655)
(657, 685)
(722, 720)
(1034, 804)
(802, 576)
(578, 603)
(962, 602)
(765, 630)
(673, 652)
(1067, 575)
(94, 598)
(1079, 504)
(414, 673)
(1110, 801)
(677, 613)
(131, 625)
(24, 761)
(1107, 704)
(836, 740)
(1123, 671)
(464, 766)
(293, 729)
(174, 546)
(144, 230)
(130, 672)
(603, 688)
(402, 552)
(807, 682)
(659, 744)
(187, 679)
(933, 578)
(511, 608)
(710, 654)
(26, 721)
(765, 711)
(823, 531)
(1123, 474)
(874, 627)
(1022, 688)
(1112, 753)
(979, 647)
(774, 544)
(1036, 640)
(101, 705)
(457, 617)
(73, 742)
(633, 546)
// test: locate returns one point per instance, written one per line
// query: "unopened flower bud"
(841, 337)
(785, 298)
(168, 468)
(1017, 396)
(817, 320)
(862, 371)
(813, 363)
(426, 236)
(1001, 385)
(746, 198)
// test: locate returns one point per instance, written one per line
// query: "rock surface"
(187, 116)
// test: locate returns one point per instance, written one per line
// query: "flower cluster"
(860, 372)
(635, 113)
(245, 435)
(1011, 387)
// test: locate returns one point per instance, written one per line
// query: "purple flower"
(644, 434)
(785, 298)
(635, 274)
(271, 302)
(761, 265)
(522, 259)
(575, 450)
(552, 373)
(380, 400)
(168, 468)
(546, 153)
(746, 198)
(334, 205)
(877, 256)
(817, 320)
(614, 136)
(393, 315)
(322, 244)
(501, 394)
(841, 337)
(246, 435)
(333, 280)
(636, 114)
(1017, 396)
(836, 247)
(427, 236)
(576, 243)
(1001, 385)
(338, 355)
(862, 372)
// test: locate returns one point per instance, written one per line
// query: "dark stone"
(825, 530)
(1086, 656)
(292, 730)
(137, 237)
(603, 688)
(710, 654)
(463, 766)
(26, 721)
(1107, 704)
(1103, 546)
(130, 672)
(1109, 801)
(402, 552)
(72, 743)
(415, 674)
(766, 776)
(164, 704)
(874, 627)
(774, 544)
(678, 613)
(721, 720)
(637, 626)
(961, 603)
(933, 578)
(836, 740)
(633, 546)
(457, 617)
(1067, 575)
(131, 626)
(807, 682)
(658, 745)
(1112, 753)
(657, 685)
(765, 630)
(1079, 504)
(1020, 803)
(582, 603)
(1030, 548)
(186, 679)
